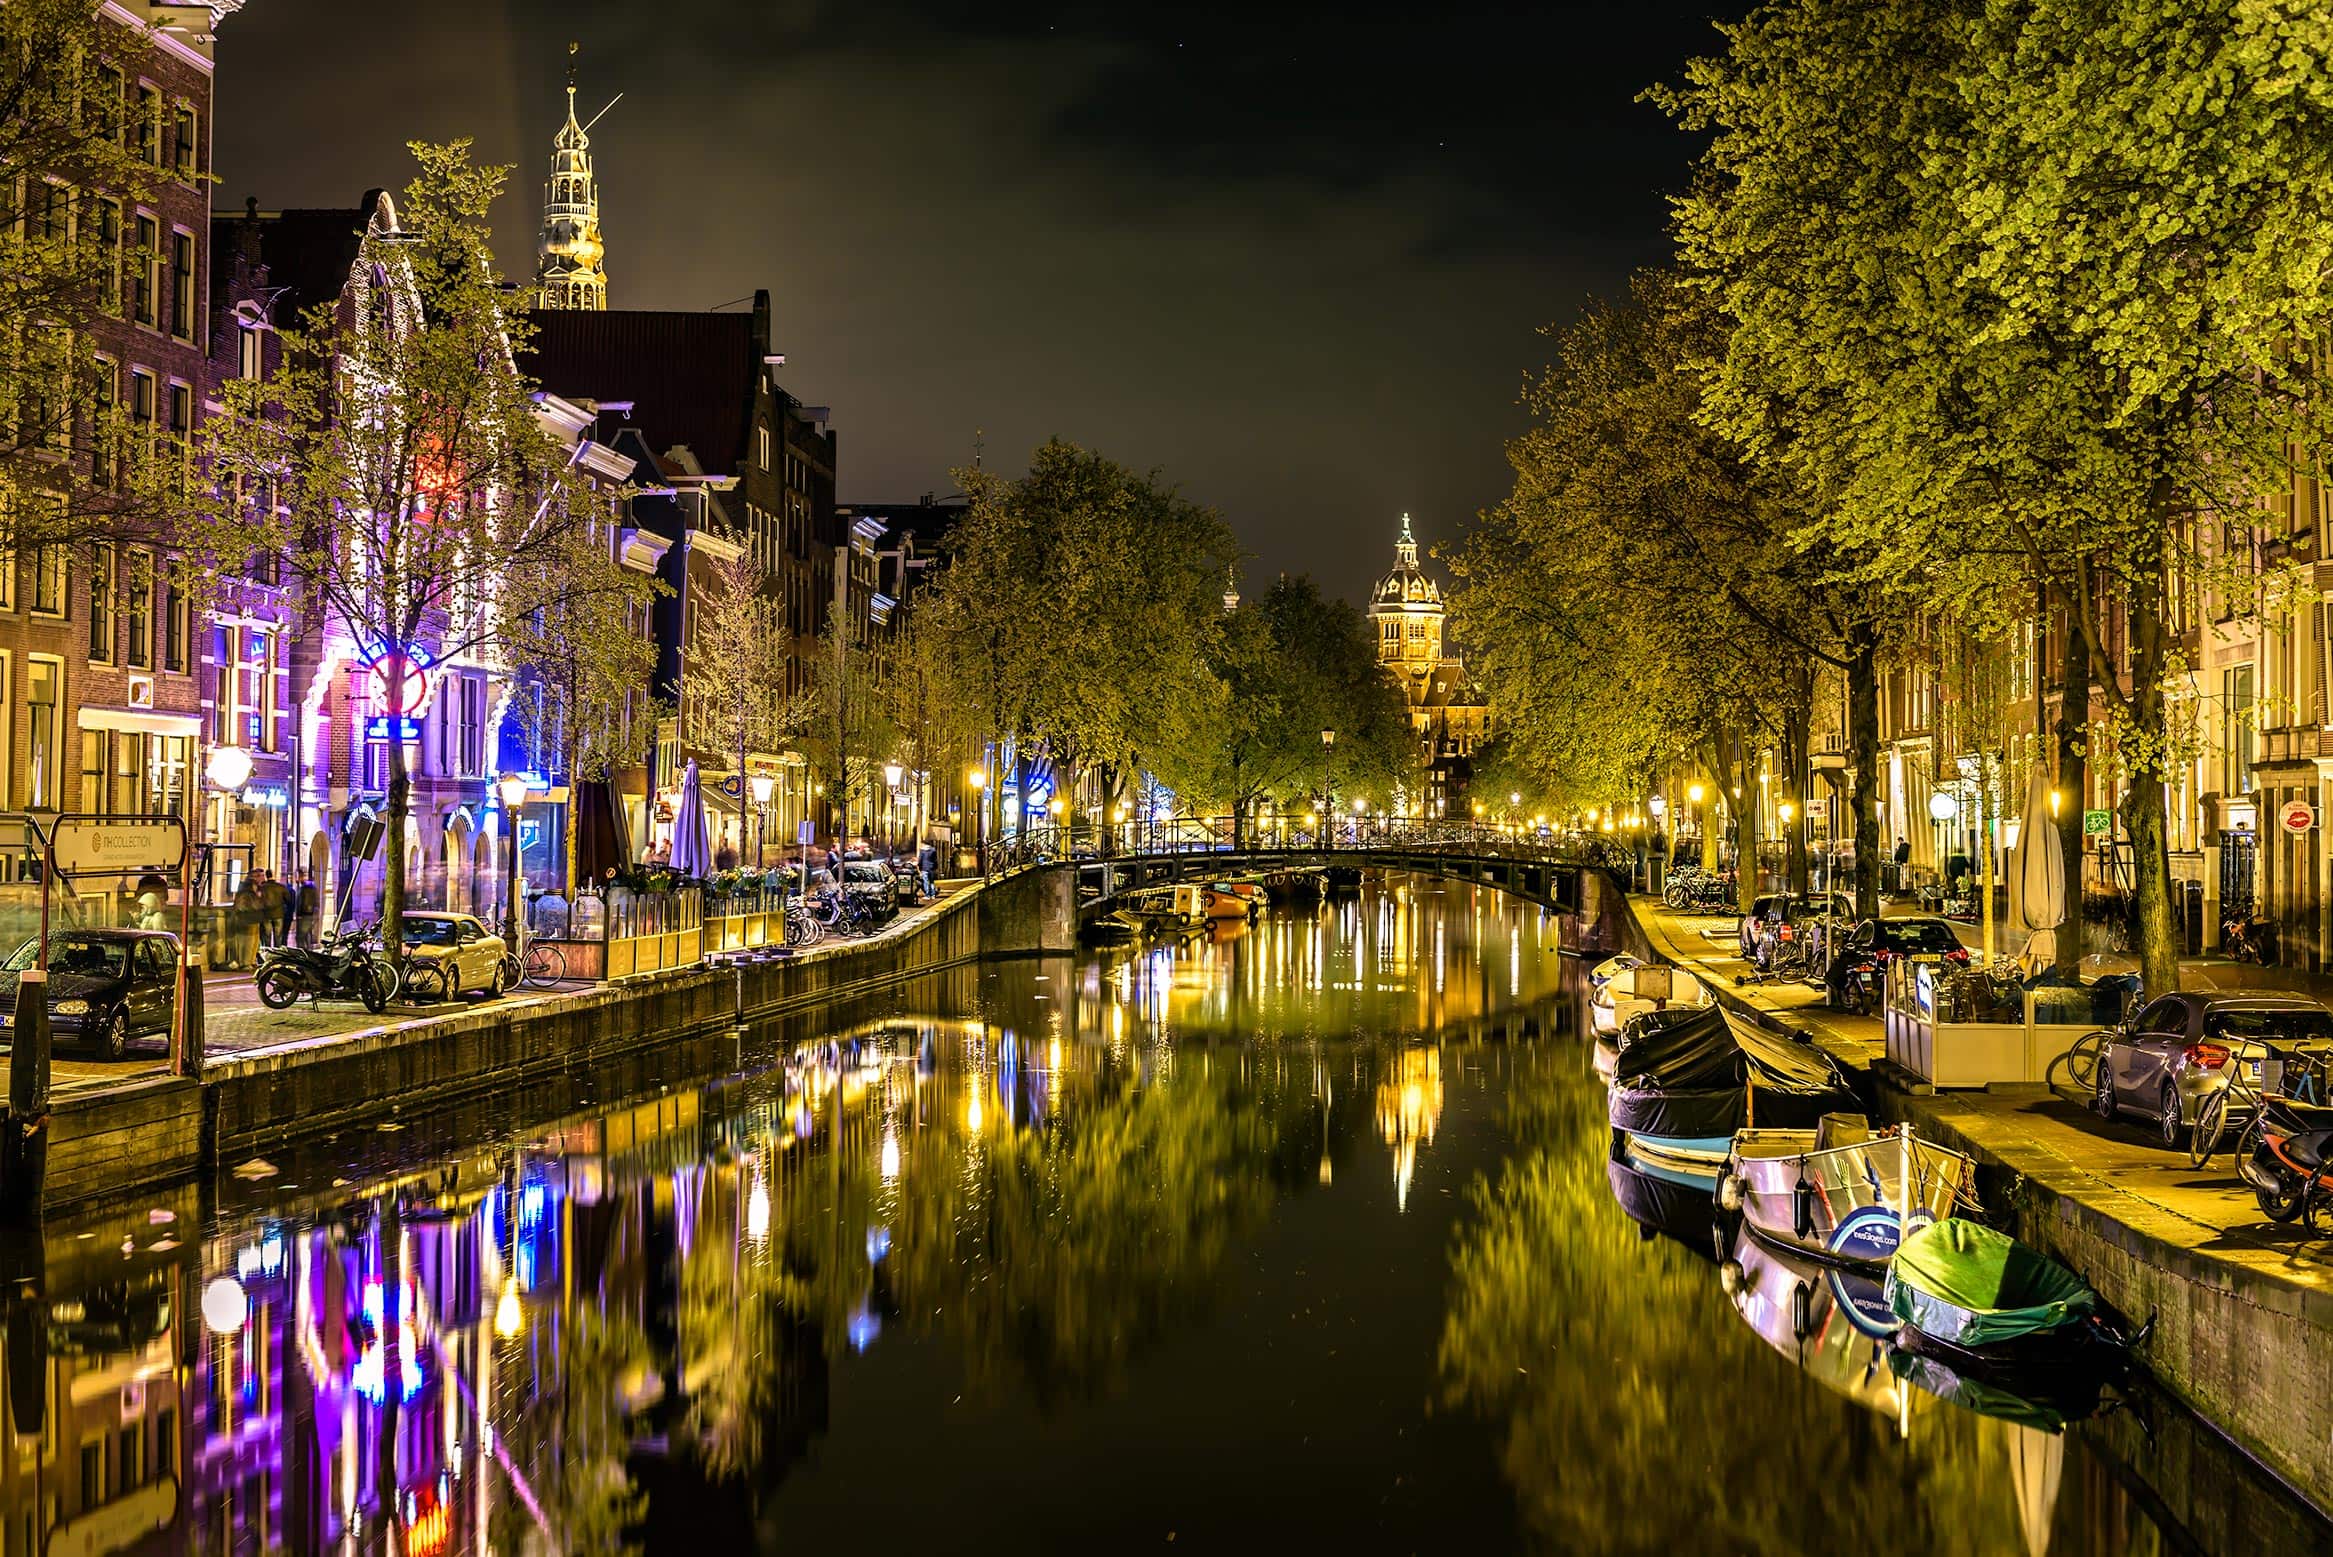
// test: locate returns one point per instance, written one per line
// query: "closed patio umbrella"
(2041, 874)
(692, 850)
(600, 842)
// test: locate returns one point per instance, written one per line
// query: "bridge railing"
(1180, 836)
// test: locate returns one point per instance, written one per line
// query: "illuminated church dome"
(1406, 584)
(569, 272)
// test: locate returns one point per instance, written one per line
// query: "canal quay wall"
(146, 1133)
(2245, 1342)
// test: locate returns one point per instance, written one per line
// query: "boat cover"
(1686, 1072)
(1966, 1284)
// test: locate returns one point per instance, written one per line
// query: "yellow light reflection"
(1409, 1105)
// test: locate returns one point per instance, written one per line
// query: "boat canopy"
(1964, 1283)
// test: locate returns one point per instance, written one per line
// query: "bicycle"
(543, 966)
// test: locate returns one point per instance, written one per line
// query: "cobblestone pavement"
(2052, 1136)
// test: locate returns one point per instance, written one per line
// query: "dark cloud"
(1294, 256)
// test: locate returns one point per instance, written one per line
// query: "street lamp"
(765, 786)
(891, 809)
(512, 789)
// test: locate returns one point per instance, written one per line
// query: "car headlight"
(71, 1008)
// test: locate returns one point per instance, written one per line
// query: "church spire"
(1405, 550)
(568, 267)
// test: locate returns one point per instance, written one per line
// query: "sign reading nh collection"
(98, 846)
(2298, 816)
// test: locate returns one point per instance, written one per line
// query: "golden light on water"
(1409, 1105)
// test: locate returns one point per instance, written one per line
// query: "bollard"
(189, 1060)
(26, 1139)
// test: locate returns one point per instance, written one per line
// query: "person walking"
(243, 925)
(153, 902)
(927, 868)
(307, 903)
(275, 909)
(1902, 855)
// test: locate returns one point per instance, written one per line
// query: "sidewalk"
(2116, 1170)
(235, 1023)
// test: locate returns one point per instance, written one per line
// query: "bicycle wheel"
(2210, 1120)
(546, 964)
(2081, 1061)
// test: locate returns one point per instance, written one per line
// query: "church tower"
(568, 270)
(1406, 607)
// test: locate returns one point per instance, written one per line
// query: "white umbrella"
(2041, 874)
(692, 850)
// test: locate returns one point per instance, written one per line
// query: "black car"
(1857, 969)
(105, 986)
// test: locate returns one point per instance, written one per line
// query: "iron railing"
(1364, 835)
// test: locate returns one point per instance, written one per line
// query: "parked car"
(875, 883)
(1859, 963)
(2179, 1050)
(105, 986)
(453, 952)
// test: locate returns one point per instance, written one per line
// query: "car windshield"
(429, 932)
(1919, 936)
(74, 954)
(2290, 1025)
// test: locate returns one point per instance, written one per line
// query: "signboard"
(2096, 822)
(803, 833)
(2297, 816)
(377, 728)
(117, 846)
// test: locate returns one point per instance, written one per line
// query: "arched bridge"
(1547, 869)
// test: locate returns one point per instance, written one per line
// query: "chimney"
(761, 322)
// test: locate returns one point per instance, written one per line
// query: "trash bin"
(2191, 911)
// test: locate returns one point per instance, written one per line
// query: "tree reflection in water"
(1637, 1413)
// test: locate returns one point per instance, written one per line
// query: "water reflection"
(1303, 1234)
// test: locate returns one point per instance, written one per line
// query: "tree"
(583, 665)
(846, 730)
(417, 505)
(2025, 289)
(1082, 610)
(71, 161)
(735, 685)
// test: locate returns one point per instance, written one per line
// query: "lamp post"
(978, 779)
(1328, 800)
(891, 811)
(765, 785)
(512, 789)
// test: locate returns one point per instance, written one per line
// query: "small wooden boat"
(1232, 900)
(1838, 1191)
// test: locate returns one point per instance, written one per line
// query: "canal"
(1297, 1236)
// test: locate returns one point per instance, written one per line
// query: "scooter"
(2290, 1165)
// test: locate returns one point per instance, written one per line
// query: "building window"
(105, 115)
(102, 569)
(184, 149)
(109, 244)
(181, 426)
(182, 285)
(140, 610)
(176, 616)
(2236, 731)
(145, 282)
(105, 427)
(93, 796)
(166, 769)
(93, 1473)
(248, 359)
(471, 729)
(44, 697)
(761, 447)
(149, 126)
(49, 577)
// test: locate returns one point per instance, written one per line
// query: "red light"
(2211, 1056)
(1960, 955)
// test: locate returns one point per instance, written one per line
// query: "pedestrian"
(725, 857)
(927, 868)
(243, 925)
(834, 862)
(660, 852)
(275, 909)
(153, 900)
(1902, 857)
(307, 904)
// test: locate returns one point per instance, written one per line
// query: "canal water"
(1300, 1236)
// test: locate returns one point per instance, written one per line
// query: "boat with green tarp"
(1986, 1303)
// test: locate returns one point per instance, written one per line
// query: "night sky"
(1294, 256)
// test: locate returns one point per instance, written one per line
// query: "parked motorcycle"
(345, 967)
(2289, 1163)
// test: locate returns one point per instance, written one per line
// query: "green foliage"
(1293, 664)
(1081, 609)
(738, 652)
(72, 162)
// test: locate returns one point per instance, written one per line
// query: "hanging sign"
(377, 728)
(2297, 816)
(95, 846)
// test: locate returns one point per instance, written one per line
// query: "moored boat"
(1838, 1191)
(1232, 900)
(1833, 1323)
(1977, 1299)
(1662, 1208)
(1686, 1080)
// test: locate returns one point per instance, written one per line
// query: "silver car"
(2179, 1050)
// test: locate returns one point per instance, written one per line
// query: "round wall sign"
(2298, 816)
